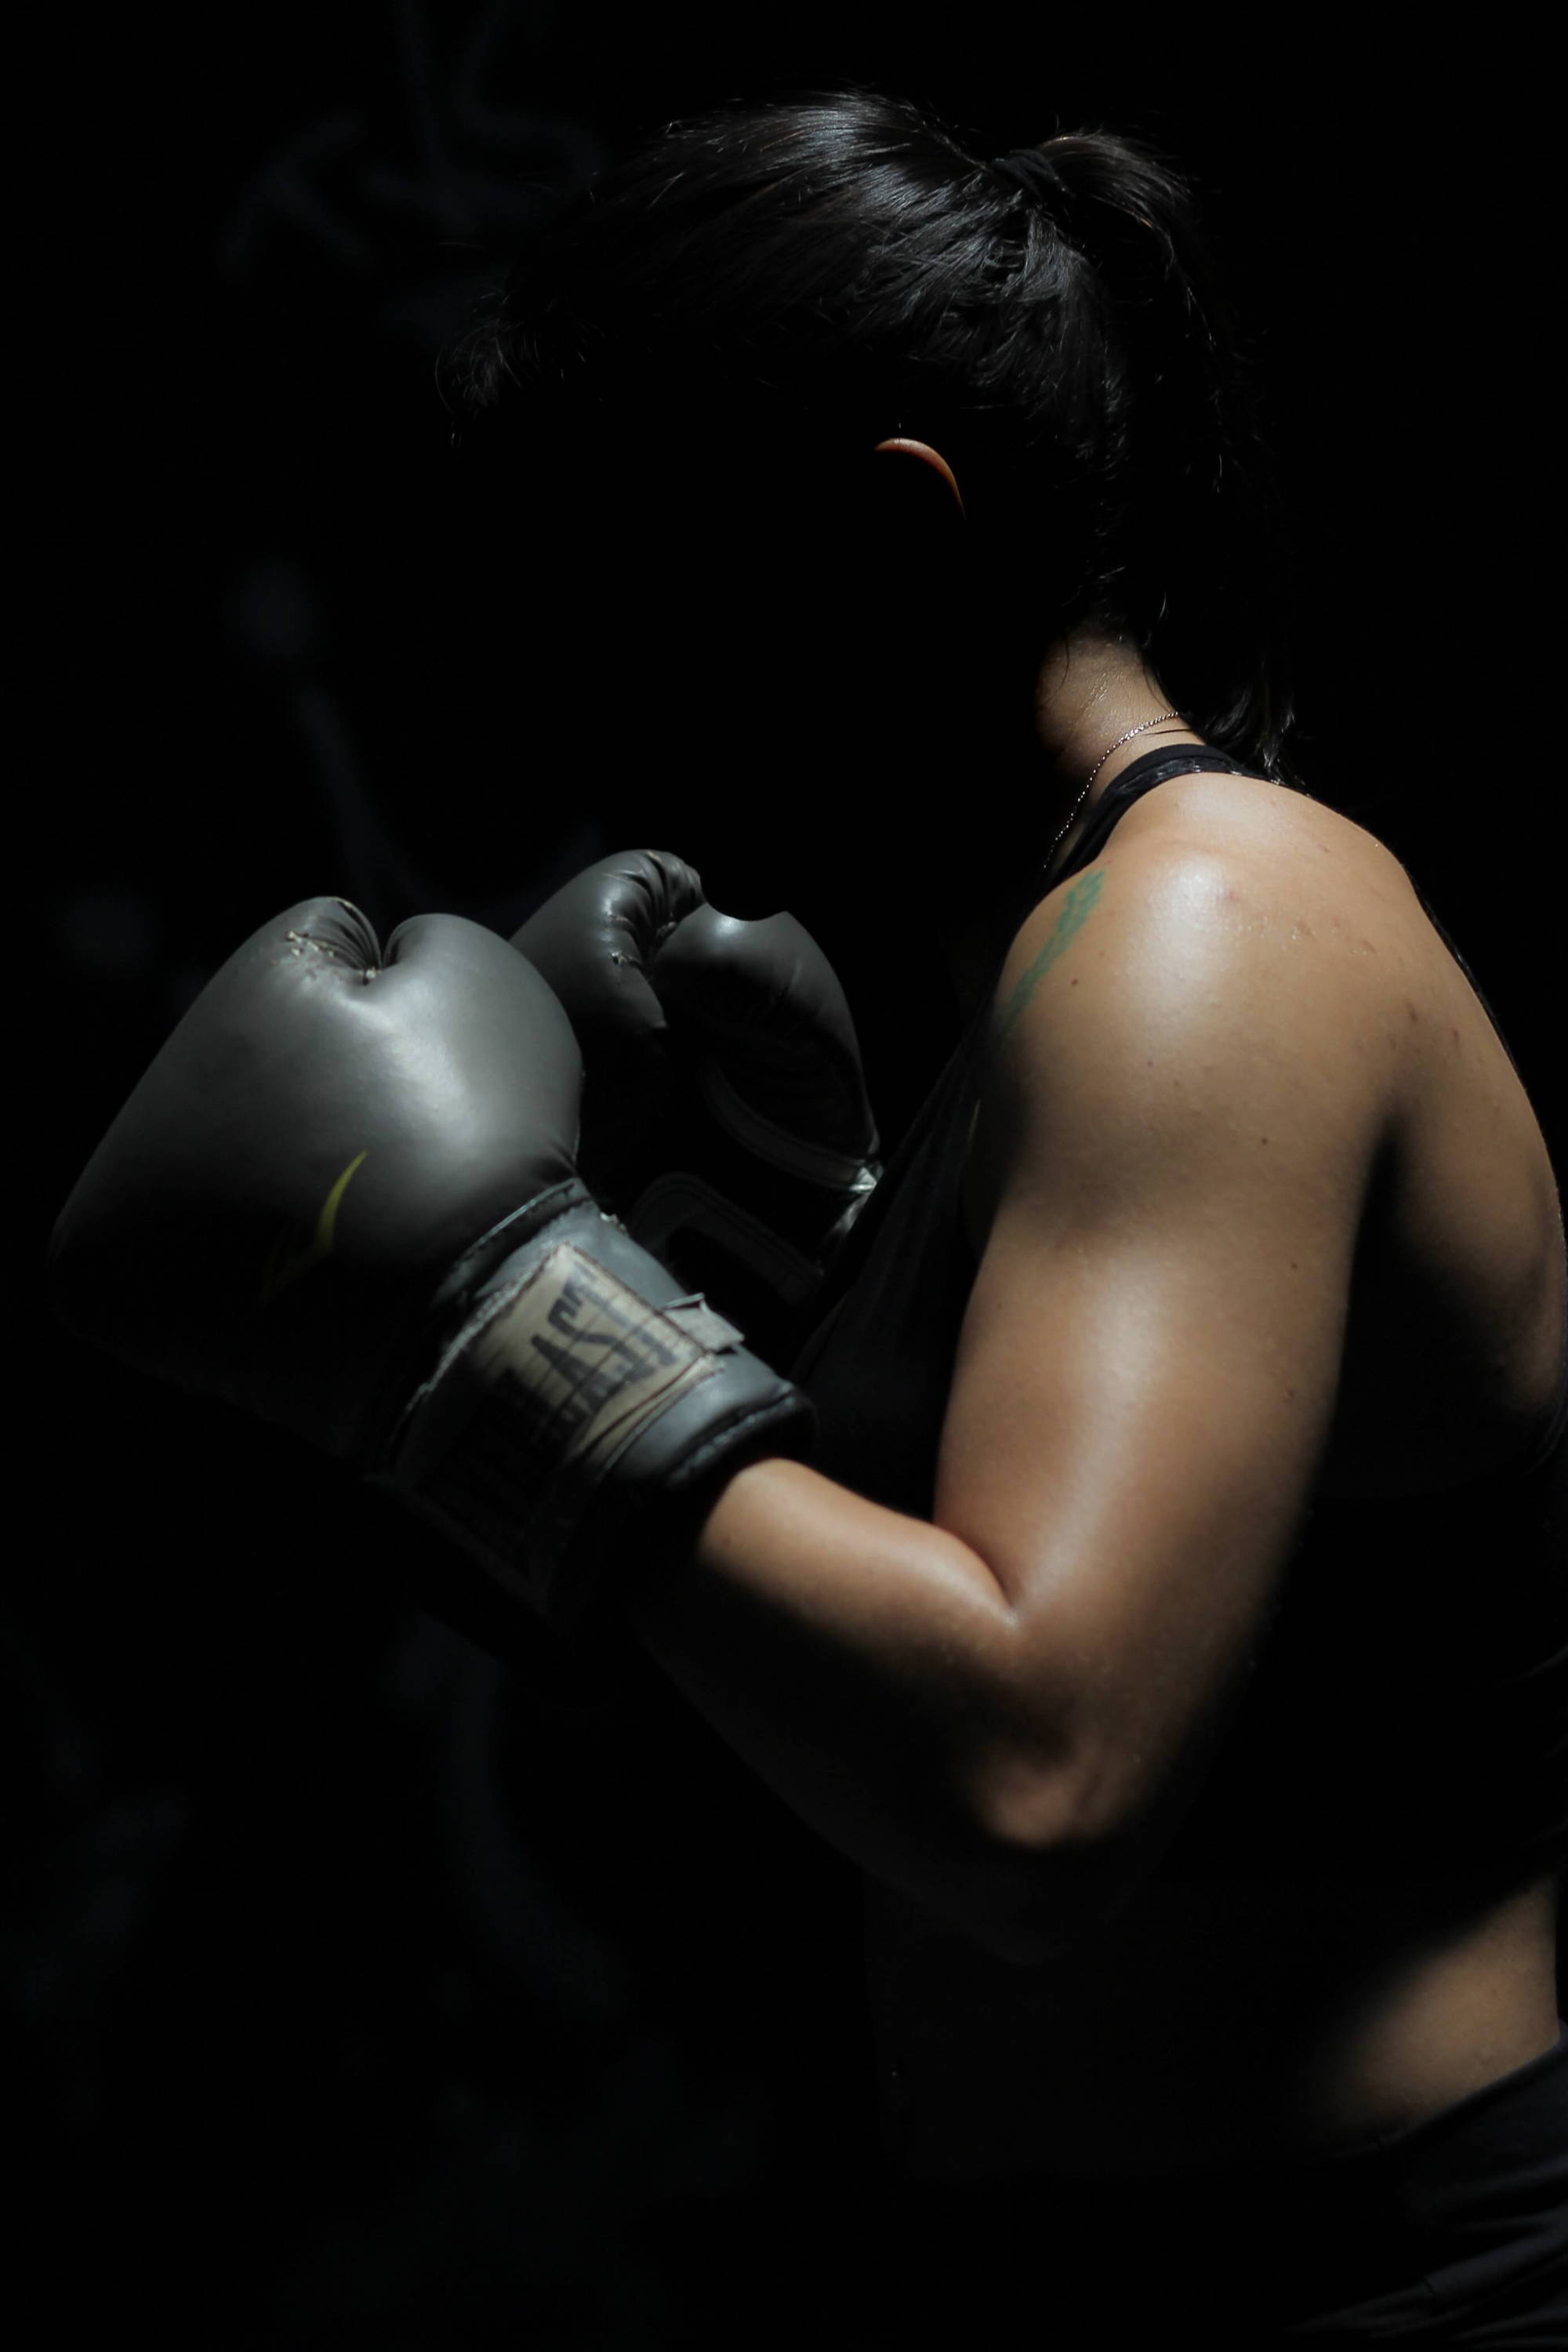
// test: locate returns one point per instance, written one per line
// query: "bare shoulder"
(1246, 952)
(1254, 934)
(1314, 878)
(1224, 887)
(1245, 813)
(1289, 847)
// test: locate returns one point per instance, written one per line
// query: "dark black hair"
(834, 262)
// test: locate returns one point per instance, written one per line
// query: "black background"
(354, 1998)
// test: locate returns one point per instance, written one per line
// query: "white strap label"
(595, 1362)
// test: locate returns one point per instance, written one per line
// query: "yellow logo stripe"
(287, 1262)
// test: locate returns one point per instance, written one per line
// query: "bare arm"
(865, 1663)
(1006, 1714)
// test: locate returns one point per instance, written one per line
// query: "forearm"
(864, 1663)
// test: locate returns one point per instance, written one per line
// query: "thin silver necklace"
(1094, 771)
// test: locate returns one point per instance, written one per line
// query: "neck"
(1091, 690)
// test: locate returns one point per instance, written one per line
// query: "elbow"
(1055, 1881)
(1058, 1899)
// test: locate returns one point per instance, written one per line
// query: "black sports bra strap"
(1141, 775)
(1163, 759)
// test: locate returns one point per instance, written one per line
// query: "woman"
(1215, 1301)
(1170, 1618)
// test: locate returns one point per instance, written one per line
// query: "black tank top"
(1406, 1712)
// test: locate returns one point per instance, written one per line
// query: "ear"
(930, 462)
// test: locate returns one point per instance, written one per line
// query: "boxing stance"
(1015, 1508)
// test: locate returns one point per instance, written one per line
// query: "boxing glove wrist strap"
(582, 1411)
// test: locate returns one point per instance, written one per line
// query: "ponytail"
(825, 268)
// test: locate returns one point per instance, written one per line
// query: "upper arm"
(1181, 1120)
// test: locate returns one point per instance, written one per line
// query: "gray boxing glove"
(725, 1113)
(345, 1198)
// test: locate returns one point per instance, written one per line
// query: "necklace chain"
(1094, 771)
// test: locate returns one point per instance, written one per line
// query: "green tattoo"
(1075, 910)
